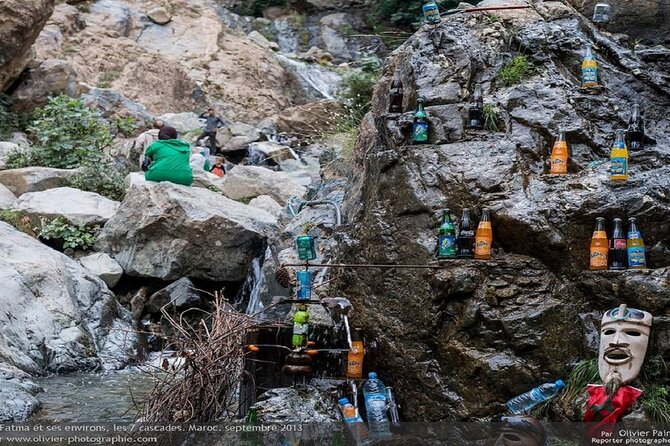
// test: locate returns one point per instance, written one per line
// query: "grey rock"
(159, 15)
(36, 179)
(260, 40)
(103, 266)
(6, 149)
(168, 231)
(6, 197)
(297, 405)
(266, 203)
(179, 296)
(18, 401)
(183, 122)
(49, 78)
(112, 104)
(251, 181)
(76, 206)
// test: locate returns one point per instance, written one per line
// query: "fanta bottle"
(599, 247)
(619, 158)
(355, 356)
(484, 237)
(559, 155)
(589, 69)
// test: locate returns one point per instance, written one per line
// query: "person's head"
(218, 160)
(210, 110)
(167, 133)
(158, 124)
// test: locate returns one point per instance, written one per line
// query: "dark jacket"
(213, 122)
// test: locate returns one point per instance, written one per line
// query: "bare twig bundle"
(201, 386)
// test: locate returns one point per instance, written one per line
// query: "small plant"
(307, 226)
(492, 18)
(515, 71)
(491, 118)
(18, 220)
(358, 85)
(108, 77)
(73, 236)
(125, 126)
(584, 373)
(102, 178)
(656, 403)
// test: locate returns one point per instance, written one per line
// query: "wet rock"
(57, 316)
(246, 182)
(74, 205)
(297, 405)
(267, 203)
(168, 231)
(159, 15)
(273, 151)
(103, 266)
(6, 197)
(179, 296)
(23, 21)
(18, 401)
(36, 179)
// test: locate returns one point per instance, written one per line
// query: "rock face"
(244, 182)
(310, 119)
(103, 266)
(57, 316)
(168, 231)
(76, 206)
(36, 179)
(20, 24)
(6, 197)
(49, 78)
(180, 295)
(530, 314)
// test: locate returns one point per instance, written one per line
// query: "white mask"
(624, 336)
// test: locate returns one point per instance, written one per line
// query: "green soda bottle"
(446, 240)
(420, 126)
(305, 247)
(250, 438)
(300, 326)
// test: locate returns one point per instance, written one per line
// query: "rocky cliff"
(458, 342)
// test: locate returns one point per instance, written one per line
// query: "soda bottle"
(599, 247)
(304, 279)
(589, 69)
(465, 243)
(619, 158)
(526, 401)
(250, 438)
(305, 247)
(374, 392)
(635, 129)
(355, 356)
(420, 127)
(618, 249)
(559, 155)
(396, 93)
(446, 240)
(300, 326)
(484, 237)
(431, 12)
(354, 423)
(476, 111)
(636, 252)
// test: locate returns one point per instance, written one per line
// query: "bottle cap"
(372, 375)
(343, 401)
(560, 384)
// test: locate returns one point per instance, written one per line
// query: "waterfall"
(286, 37)
(257, 280)
(313, 77)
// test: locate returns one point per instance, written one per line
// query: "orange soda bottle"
(484, 237)
(355, 357)
(559, 155)
(599, 247)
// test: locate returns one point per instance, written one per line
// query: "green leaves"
(103, 178)
(515, 71)
(73, 236)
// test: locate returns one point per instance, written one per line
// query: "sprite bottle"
(446, 240)
(420, 126)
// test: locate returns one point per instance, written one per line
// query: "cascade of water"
(258, 280)
(314, 77)
(346, 327)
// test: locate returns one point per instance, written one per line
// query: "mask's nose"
(620, 339)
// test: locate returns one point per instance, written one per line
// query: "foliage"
(255, 7)
(125, 126)
(67, 133)
(491, 118)
(357, 86)
(73, 236)
(656, 403)
(8, 120)
(401, 13)
(102, 178)
(515, 70)
(584, 373)
(18, 220)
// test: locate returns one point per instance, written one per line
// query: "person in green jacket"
(169, 159)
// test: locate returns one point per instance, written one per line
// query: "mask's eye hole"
(633, 333)
(609, 332)
(512, 437)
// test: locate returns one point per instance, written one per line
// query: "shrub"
(491, 118)
(73, 236)
(357, 86)
(68, 134)
(125, 126)
(102, 178)
(515, 71)
(10, 121)
(401, 13)
(18, 220)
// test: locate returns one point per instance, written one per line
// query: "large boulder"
(20, 23)
(112, 104)
(49, 78)
(6, 197)
(56, 316)
(103, 266)
(246, 182)
(183, 122)
(35, 179)
(76, 206)
(267, 203)
(168, 231)
(179, 296)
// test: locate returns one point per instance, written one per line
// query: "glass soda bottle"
(636, 252)
(618, 250)
(300, 326)
(420, 126)
(465, 242)
(484, 237)
(619, 158)
(396, 93)
(559, 155)
(589, 69)
(446, 240)
(355, 356)
(599, 247)
(431, 12)
(635, 129)
(476, 111)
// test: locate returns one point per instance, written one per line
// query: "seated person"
(199, 160)
(218, 169)
(169, 159)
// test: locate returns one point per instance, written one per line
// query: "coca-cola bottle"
(396, 93)
(465, 241)
(635, 129)
(618, 255)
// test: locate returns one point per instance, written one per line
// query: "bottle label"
(619, 166)
(431, 12)
(466, 234)
(446, 246)
(619, 244)
(589, 75)
(634, 234)
(485, 225)
(559, 165)
(636, 257)
(482, 247)
(420, 132)
(598, 258)
(300, 329)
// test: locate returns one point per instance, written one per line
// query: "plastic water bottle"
(374, 392)
(526, 401)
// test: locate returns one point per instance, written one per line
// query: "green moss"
(515, 71)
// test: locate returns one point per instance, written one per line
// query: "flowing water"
(257, 279)
(313, 77)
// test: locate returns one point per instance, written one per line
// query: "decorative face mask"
(516, 430)
(624, 335)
